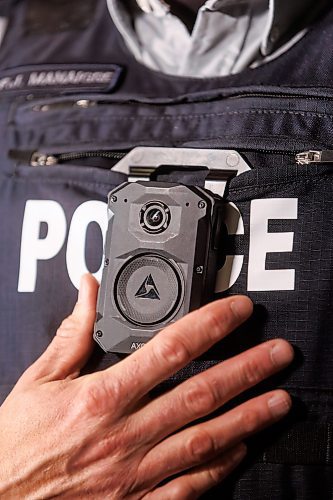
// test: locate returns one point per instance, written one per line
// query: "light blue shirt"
(228, 35)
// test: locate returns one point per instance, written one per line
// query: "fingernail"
(241, 307)
(282, 353)
(279, 404)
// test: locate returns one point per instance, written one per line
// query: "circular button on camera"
(155, 217)
(148, 289)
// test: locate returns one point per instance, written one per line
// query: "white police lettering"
(11, 82)
(228, 275)
(34, 248)
(90, 211)
(69, 77)
(262, 242)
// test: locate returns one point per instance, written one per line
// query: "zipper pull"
(308, 157)
(42, 160)
(33, 158)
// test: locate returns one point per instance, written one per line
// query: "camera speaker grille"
(148, 289)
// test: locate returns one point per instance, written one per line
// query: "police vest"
(72, 101)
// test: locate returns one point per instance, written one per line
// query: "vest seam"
(201, 116)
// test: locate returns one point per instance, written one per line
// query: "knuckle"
(93, 399)
(200, 446)
(200, 398)
(67, 327)
(216, 474)
(172, 350)
(251, 371)
(213, 323)
(219, 320)
(249, 421)
(100, 396)
(182, 491)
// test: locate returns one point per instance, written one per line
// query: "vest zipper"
(308, 157)
(42, 159)
(84, 103)
(39, 159)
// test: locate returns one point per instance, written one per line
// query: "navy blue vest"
(69, 85)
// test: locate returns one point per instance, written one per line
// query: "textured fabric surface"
(58, 15)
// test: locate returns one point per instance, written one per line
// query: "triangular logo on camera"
(148, 289)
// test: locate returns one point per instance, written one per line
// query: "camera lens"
(155, 217)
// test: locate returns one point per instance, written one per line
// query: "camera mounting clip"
(144, 163)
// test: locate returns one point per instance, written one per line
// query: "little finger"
(197, 481)
(203, 442)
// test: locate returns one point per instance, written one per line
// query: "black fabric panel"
(54, 16)
(5, 6)
(306, 443)
(275, 482)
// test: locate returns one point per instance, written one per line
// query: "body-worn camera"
(162, 246)
(162, 251)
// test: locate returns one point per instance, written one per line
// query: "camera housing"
(162, 249)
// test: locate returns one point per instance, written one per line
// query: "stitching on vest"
(58, 180)
(200, 116)
(303, 182)
(328, 444)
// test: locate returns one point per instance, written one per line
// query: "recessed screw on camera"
(113, 199)
(202, 204)
(99, 333)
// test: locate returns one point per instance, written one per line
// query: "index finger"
(176, 345)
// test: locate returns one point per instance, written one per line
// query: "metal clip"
(143, 163)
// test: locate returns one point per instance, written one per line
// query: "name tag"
(100, 78)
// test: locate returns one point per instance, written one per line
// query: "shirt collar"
(156, 7)
(286, 17)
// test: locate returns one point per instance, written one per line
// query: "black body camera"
(161, 254)
(163, 244)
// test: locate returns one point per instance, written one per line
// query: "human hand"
(99, 435)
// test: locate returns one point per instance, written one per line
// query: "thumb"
(73, 342)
